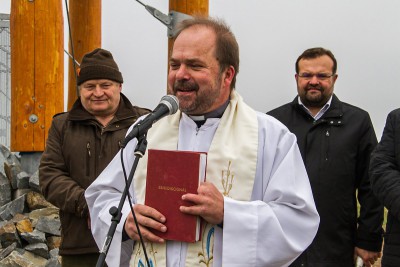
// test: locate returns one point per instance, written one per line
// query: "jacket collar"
(335, 110)
(79, 113)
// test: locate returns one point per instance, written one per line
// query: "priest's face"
(315, 81)
(194, 72)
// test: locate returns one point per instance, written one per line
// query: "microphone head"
(171, 102)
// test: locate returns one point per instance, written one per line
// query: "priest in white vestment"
(257, 201)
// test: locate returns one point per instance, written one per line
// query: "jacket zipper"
(88, 158)
(327, 134)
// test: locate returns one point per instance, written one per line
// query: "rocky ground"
(29, 225)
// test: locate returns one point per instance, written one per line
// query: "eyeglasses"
(319, 76)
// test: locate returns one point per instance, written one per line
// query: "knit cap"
(99, 64)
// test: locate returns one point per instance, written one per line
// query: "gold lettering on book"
(172, 188)
(227, 179)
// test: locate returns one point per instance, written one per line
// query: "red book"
(171, 174)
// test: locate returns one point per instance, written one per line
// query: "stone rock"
(36, 201)
(30, 227)
(39, 249)
(49, 224)
(12, 171)
(20, 192)
(54, 253)
(23, 180)
(7, 156)
(34, 182)
(36, 214)
(18, 217)
(20, 250)
(33, 258)
(9, 235)
(30, 161)
(5, 190)
(24, 226)
(35, 236)
(16, 206)
(16, 260)
(53, 242)
(5, 252)
(54, 262)
(3, 158)
(2, 164)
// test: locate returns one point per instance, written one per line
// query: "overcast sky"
(364, 35)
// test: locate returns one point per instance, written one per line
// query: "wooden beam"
(85, 20)
(37, 71)
(189, 7)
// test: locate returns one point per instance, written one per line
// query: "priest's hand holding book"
(147, 218)
(176, 198)
(208, 203)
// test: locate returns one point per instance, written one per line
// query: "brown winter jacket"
(78, 148)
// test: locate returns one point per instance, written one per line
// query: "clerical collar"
(212, 114)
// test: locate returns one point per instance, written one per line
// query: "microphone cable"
(141, 3)
(133, 212)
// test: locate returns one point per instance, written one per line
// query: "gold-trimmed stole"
(231, 167)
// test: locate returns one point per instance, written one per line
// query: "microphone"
(168, 105)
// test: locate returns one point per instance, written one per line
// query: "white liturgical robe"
(271, 230)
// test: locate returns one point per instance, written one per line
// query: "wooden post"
(85, 20)
(189, 7)
(37, 71)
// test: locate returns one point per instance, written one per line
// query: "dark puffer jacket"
(336, 150)
(78, 148)
(385, 178)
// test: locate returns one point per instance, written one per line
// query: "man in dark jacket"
(385, 179)
(80, 145)
(335, 140)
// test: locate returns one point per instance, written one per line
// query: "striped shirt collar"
(321, 112)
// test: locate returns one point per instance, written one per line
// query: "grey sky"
(364, 35)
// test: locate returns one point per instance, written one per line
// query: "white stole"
(231, 167)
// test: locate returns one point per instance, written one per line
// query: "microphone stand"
(116, 214)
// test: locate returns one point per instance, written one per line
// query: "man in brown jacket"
(80, 144)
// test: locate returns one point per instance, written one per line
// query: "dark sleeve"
(369, 231)
(384, 170)
(55, 183)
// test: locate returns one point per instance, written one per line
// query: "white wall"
(364, 35)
